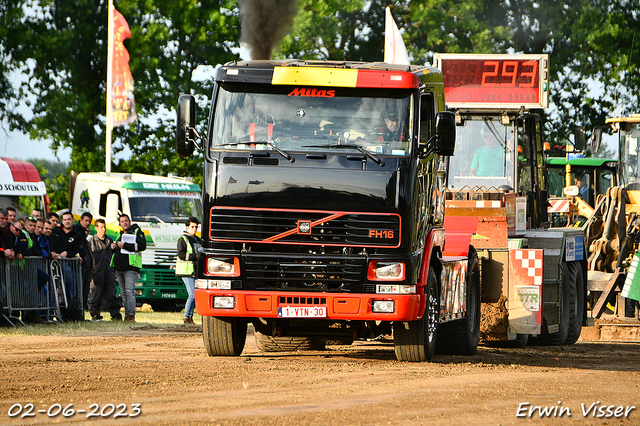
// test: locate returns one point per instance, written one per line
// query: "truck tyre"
(288, 343)
(521, 340)
(560, 337)
(224, 336)
(415, 341)
(460, 337)
(577, 301)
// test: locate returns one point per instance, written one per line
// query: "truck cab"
(324, 205)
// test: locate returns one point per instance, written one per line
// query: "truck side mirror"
(445, 142)
(186, 117)
(579, 138)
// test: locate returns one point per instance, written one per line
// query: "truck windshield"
(165, 209)
(484, 155)
(631, 147)
(259, 117)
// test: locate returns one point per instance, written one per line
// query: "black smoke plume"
(264, 23)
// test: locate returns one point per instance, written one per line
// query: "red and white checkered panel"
(531, 262)
(525, 301)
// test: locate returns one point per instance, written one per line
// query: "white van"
(159, 205)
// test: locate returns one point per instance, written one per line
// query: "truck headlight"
(222, 266)
(386, 271)
(383, 306)
(224, 302)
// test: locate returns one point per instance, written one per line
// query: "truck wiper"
(367, 154)
(150, 217)
(278, 150)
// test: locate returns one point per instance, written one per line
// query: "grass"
(143, 318)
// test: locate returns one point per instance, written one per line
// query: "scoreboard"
(502, 81)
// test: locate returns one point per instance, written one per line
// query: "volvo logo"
(304, 227)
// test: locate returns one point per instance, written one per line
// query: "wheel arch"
(431, 255)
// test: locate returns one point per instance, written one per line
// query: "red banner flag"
(122, 100)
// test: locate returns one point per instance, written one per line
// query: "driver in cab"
(391, 130)
(488, 160)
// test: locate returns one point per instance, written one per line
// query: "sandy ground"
(165, 377)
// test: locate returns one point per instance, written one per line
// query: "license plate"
(302, 312)
(168, 295)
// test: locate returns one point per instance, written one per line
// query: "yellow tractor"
(612, 233)
(575, 187)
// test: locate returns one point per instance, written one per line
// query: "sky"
(14, 144)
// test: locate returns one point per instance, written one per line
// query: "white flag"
(395, 51)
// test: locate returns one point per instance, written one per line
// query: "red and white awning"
(18, 177)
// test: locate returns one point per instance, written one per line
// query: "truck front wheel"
(415, 341)
(224, 336)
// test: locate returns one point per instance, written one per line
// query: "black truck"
(323, 198)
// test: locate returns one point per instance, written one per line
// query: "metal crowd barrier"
(50, 288)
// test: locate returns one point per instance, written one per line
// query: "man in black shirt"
(66, 245)
(68, 242)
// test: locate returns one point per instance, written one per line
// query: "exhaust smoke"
(264, 23)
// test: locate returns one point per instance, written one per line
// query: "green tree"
(54, 176)
(62, 49)
(337, 30)
(11, 43)
(171, 41)
(66, 42)
(61, 46)
(449, 26)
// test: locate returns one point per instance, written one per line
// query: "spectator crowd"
(57, 237)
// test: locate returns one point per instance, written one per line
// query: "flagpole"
(109, 125)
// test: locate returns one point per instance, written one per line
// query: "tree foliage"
(60, 46)
(169, 42)
(337, 30)
(62, 50)
(591, 44)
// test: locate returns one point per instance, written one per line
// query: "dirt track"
(169, 374)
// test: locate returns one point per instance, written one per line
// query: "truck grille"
(164, 257)
(162, 276)
(305, 227)
(268, 272)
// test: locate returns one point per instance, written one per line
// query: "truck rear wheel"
(568, 274)
(460, 337)
(288, 343)
(415, 341)
(577, 301)
(224, 336)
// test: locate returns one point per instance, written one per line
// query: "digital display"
(494, 80)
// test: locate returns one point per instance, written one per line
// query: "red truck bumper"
(337, 306)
